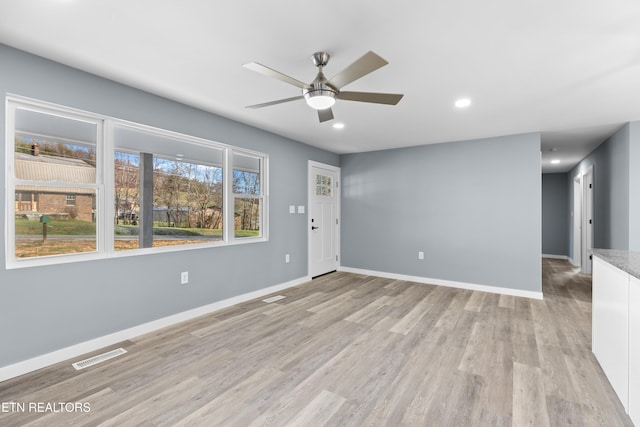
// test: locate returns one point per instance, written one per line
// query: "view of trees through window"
(247, 209)
(187, 201)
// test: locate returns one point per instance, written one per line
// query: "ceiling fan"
(321, 93)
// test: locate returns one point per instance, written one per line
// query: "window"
(168, 189)
(139, 189)
(324, 186)
(54, 179)
(248, 196)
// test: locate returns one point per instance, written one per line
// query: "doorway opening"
(582, 218)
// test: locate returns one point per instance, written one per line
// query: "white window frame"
(262, 197)
(11, 105)
(186, 139)
(105, 191)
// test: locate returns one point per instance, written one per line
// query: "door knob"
(314, 228)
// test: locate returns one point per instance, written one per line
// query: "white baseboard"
(447, 283)
(38, 362)
(564, 257)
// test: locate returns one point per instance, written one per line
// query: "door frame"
(311, 164)
(576, 214)
(583, 219)
(587, 219)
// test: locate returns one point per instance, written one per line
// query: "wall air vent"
(99, 358)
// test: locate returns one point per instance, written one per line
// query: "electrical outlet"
(184, 277)
(420, 255)
(286, 258)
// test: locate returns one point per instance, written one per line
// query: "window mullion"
(105, 203)
(227, 193)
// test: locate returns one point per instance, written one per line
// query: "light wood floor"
(351, 350)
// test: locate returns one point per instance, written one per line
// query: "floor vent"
(99, 358)
(274, 299)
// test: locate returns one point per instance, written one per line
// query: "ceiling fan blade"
(325, 115)
(270, 72)
(378, 98)
(279, 101)
(361, 67)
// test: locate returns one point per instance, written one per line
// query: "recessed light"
(554, 149)
(555, 161)
(338, 125)
(463, 103)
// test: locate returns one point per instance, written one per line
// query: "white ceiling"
(569, 69)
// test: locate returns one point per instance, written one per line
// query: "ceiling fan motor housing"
(320, 94)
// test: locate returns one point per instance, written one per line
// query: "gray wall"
(555, 210)
(473, 207)
(43, 309)
(611, 191)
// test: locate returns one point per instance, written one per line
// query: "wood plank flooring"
(349, 350)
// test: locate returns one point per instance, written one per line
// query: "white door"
(323, 218)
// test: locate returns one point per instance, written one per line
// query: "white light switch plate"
(300, 209)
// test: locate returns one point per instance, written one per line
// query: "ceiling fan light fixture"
(320, 99)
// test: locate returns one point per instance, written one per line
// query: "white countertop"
(626, 261)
